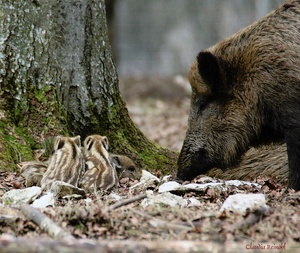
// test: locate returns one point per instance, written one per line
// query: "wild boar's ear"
(211, 71)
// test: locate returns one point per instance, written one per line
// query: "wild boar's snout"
(192, 161)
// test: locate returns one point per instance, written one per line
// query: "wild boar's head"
(224, 115)
(246, 89)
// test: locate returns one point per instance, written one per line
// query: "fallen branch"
(44, 222)
(123, 203)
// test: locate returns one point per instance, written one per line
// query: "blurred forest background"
(162, 37)
(154, 43)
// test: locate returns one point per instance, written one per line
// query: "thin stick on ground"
(124, 203)
(44, 222)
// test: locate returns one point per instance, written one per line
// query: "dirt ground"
(160, 109)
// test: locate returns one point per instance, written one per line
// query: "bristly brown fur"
(258, 162)
(66, 164)
(246, 91)
(125, 167)
(101, 173)
(33, 172)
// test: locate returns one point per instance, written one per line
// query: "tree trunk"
(58, 76)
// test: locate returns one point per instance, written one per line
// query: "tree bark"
(58, 76)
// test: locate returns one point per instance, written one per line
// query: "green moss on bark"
(15, 146)
(24, 129)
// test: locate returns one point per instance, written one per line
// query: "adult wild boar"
(246, 91)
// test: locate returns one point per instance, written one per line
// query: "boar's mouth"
(192, 164)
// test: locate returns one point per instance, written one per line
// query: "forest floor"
(160, 109)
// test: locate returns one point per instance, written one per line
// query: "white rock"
(44, 201)
(193, 202)
(165, 198)
(174, 186)
(169, 186)
(203, 187)
(21, 196)
(239, 182)
(239, 203)
(147, 176)
(146, 180)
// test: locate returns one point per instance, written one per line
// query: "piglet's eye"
(131, 168)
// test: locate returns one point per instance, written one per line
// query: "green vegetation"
(30, 127)
(15, 145)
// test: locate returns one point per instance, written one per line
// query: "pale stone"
(165, 198)
(21, 196)
(44, 201)
(220, 186)
(241, 203)
(146, 180)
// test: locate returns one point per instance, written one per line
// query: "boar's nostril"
(202, 160)
(201, 152)
(193, 162)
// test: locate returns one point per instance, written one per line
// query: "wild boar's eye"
(200, 102)
(202, 106)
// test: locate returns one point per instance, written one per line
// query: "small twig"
(156, 222)
(123, 203)
(44, 222)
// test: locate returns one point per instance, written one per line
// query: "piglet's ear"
(211, 71)
(77, 140)
(58, 143)
(105, 142)
(88, 143)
